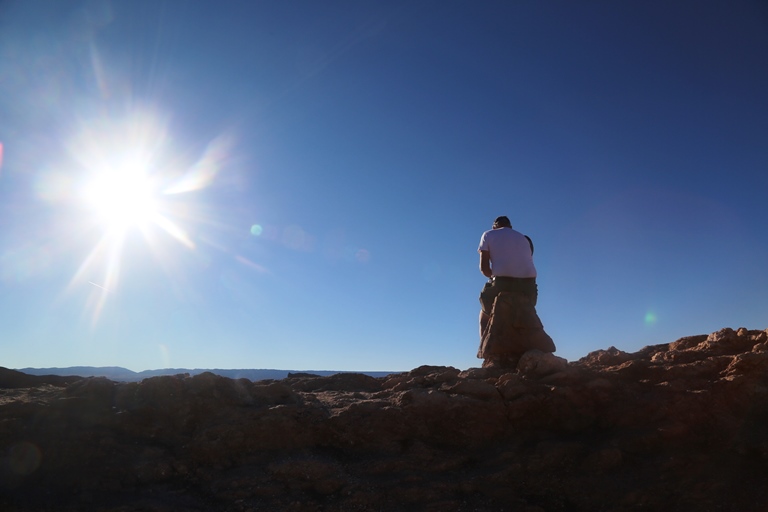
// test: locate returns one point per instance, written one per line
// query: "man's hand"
(485, 264)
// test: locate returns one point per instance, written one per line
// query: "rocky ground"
(680, 426)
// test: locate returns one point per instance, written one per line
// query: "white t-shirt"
(510, 253)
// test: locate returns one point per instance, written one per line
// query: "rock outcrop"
(513, 329)
(676, 427)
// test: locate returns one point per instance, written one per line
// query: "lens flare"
(165, 355)
(294, 237)
(203, 172)
(128, 172)
(24, 458)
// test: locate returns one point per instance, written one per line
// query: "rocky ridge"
(678, 426)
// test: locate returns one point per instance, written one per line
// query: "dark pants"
(496, 285)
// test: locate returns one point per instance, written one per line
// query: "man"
(506, 259)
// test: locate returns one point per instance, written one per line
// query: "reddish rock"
(678, 426)
(513, 329)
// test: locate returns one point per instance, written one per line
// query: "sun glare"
(123, 200)
(128, 170)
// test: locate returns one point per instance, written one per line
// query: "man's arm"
(485, 264)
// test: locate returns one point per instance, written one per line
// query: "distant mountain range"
(119, 374)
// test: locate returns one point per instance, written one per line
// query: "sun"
(123, 198)
(130, 175)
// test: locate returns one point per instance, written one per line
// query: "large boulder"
(513, 329)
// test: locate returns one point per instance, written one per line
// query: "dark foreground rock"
(676, 427)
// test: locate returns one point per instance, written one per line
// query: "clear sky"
(303, 185)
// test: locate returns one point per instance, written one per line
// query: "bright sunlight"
(124, 198)
(128, 169)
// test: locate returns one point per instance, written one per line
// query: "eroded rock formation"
(513, 329)
(677, 427)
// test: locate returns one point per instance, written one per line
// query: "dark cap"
(502, 222)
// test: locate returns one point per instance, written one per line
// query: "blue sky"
(314, 177)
